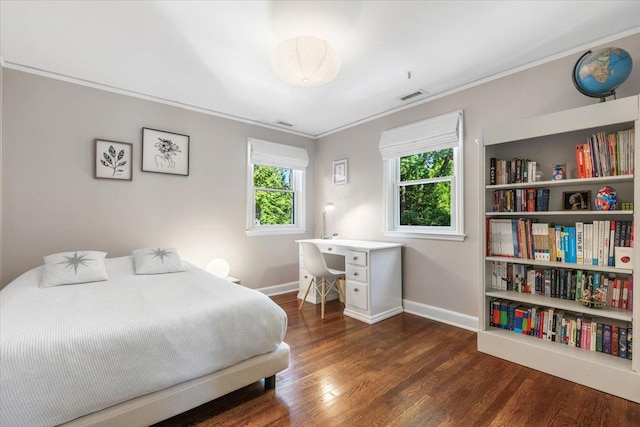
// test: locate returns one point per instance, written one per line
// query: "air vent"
(415, 94)
(281, 123)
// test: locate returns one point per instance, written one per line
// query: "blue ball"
(606, 199)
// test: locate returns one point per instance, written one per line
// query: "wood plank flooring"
(403, 371)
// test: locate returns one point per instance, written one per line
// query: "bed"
(131, 350)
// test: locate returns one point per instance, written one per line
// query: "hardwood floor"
(403, 371)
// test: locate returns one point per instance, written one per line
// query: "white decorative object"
(328, 207)
(305, 61)
(624, 257)
(218, 267)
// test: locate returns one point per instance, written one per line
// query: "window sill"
(430, 236)
(263, 232)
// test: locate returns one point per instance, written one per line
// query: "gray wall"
(437, 273)
(51, 202)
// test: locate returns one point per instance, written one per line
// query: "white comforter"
(71, 350)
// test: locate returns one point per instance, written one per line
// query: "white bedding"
(71, 350)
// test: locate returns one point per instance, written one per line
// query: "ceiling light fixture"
(305, 61)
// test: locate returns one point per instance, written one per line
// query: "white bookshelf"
(550, 139)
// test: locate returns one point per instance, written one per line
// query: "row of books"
(520, 200)
(563, 283)
(568, 328)
(582, 243)
(606, 154)
(512, 171)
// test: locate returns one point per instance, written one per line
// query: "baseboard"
(438, 314)
(279, 289)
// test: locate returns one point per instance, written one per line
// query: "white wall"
(51, 202)
(442, 274)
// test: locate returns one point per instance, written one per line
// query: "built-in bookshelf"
(541, 256)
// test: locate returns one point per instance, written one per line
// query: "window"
(275, 193)
(423, 175)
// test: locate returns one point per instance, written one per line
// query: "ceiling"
(214, 56)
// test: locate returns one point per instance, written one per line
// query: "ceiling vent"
(281, 123)
(413, 95)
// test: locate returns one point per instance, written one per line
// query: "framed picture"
(165, 152)
(112, 160)
(576, 200)
(340, 172)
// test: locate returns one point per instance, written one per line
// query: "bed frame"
(154, 407)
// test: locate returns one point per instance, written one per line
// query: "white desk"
(373, 273)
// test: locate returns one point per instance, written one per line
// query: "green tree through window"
(274, 195)
(425, 188)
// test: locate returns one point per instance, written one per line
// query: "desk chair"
(316, 266)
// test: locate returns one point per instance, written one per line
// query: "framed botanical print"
(165, 152)
(112, 160)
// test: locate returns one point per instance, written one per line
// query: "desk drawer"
(357, 295)
(356, 257)
(357, 273)
(304, 278)
(328, 248)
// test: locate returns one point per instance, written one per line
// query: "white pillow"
(68, 268)
(157, 261)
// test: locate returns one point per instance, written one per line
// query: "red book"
(625, 295)
(582, 171)
(614, 340)
(531, 199)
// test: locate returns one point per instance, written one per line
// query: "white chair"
(316, 266)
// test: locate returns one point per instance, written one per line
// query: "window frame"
(417, 138)
(280, 156)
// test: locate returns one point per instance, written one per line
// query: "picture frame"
(113, 160)
(576, 200)
(340, 172)
(165, 152)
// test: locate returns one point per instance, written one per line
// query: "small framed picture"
(576, 200)
(112, 160)
(165, 152)
(340, 172)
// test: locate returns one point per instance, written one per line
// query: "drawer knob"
(329, 249)
(355, 274)
(356, 290)
(355, 258)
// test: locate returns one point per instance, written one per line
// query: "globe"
(606, 199)
(600, 72)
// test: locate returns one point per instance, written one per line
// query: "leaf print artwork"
(113, 160)
(167, 149)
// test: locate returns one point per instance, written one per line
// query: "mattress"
(68, 351)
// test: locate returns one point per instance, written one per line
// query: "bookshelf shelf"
(562, 304)
(561, 138)
(591, 356)
(552, 264)
(560, 213)
(564, 182)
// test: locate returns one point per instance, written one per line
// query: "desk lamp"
(328, 206)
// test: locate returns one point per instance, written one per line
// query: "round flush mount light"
(305, 61)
